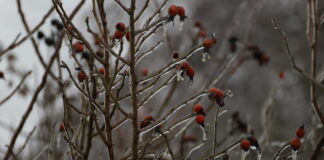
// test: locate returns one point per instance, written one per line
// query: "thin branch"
(16, 89)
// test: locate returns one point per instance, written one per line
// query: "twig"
(16, 89)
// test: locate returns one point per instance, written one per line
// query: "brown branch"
(318, 149)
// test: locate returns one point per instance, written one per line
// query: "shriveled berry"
(175, 55)
(216, 92)
(40, 35)
(120, 26)
(245, 145)
(295, 143)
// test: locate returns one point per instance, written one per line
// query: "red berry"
(198, 24)
(265, 58)
(144, 72)
(190, 72)
(300, 132)
(127, 36)
(184, 65)
(82, 76)
(200, 119)
(208, 43)
(217, 93)
(78, 47)
(181, 11)
(281, 75)
(118, 34)
(198, 108)
(144, 123)
(148, 117)
(295, 143)
(62, 127)
(173, 10)
(101, 70)
(245, 145)
(202, 33)
(120, 26)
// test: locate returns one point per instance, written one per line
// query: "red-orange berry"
(216, 92)
(173, 10)
(102, 70)
(148, 117)
(62, 127)
(200, 119)
(208, 43)
(144, 123)
(144, 72)
(127, 36)
(198, 24)
(300, 132)
(265, 59)
(184, 65)
(78, 47)
(281, 75)
(245, 144)
(118, 34)
(120, 26)
(190, 72)
(202, 33)
(198, 108)
(295, 143)
(181, 11)
(81, 76)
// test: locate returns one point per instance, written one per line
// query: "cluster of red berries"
(233, 43)
(208, 43)
(218, 95)
(201, 30)
(148, 119)
(175, 10)
(295, 143)
(200, 114)
(258, 55)
(121, 31)
(185, 67)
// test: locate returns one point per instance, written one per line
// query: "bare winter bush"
(153, 79)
